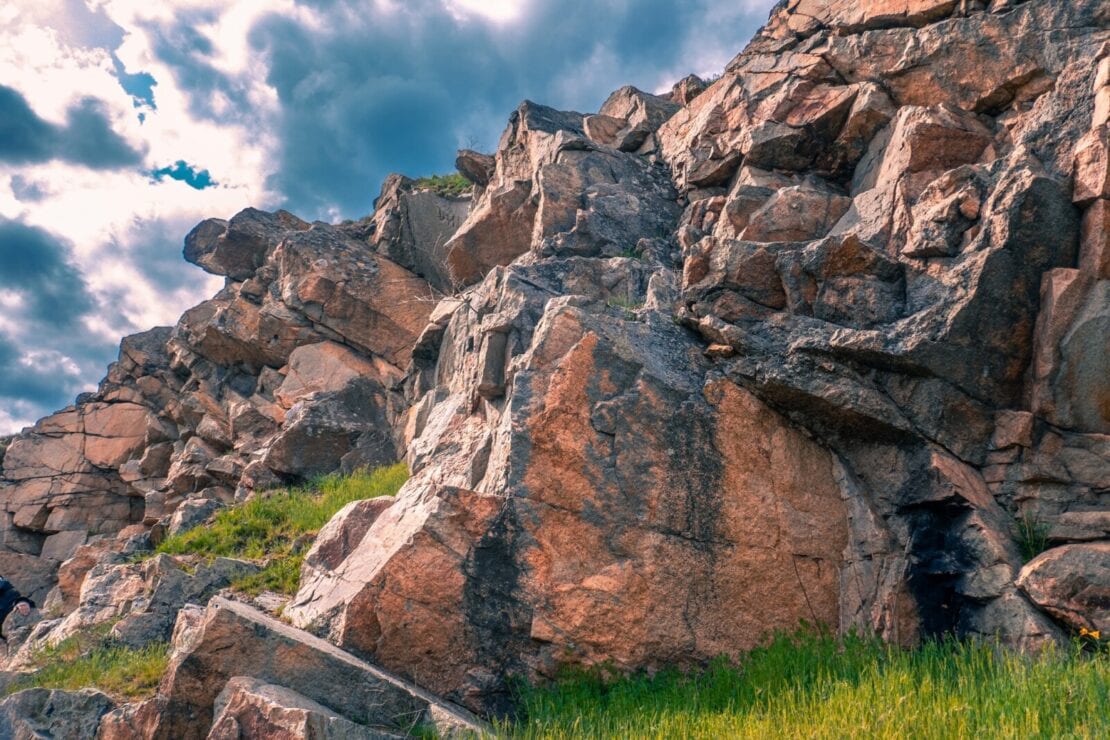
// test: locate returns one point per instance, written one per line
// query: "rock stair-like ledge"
(229, 640)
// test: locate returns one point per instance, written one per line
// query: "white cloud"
(498, 11)
(121, 221)
(16, 417)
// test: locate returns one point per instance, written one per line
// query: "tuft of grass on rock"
(1032, 537)
(80, 663)
(818, 686)
(277, 528)
(628, 306)
(282, 575)
(453, 185)
(627, 303)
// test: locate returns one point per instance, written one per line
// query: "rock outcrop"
(234, 667)
(825, 339)
(289, 372)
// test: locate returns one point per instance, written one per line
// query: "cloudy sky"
(125, 122)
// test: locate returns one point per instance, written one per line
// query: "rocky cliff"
(827, 339)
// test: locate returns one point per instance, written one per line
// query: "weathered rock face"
(586, 503)
(865, 254)
(412, 227)
(237, 248)
(628, 118)
(46, 713)
(138, 601)
(808, 342)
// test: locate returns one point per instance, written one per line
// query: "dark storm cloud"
(26, 191)
(86, 138)
(46, 354)
(368, 90)
(402, 89)
(37, 269)
(37, 382)
(154, 250)
(24, 137)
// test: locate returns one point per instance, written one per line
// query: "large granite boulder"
(1072, 583)
(572, 510)
(238, 247)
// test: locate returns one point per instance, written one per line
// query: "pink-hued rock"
(343, 533)
(1092, 167)
(36, 713)
(1068, 378)
(590, 554)
(476, 167)
(603, 129)
(1072, 583)
(796, 214)
(1094, 244)
(209, 650)
(238, 247)
(1013, 429)
(639, 114)
(411, 225)
(806, 17)
(327, 367)
(686, 89)
(249, 708)
(374, 303)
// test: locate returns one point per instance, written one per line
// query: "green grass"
(93, 661)
(452, 186)
(1032, 536)
(626, 305)
(277, 528)
(812, 686)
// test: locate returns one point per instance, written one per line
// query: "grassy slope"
(452, 185)
(819, 687)
(92, 659)
(278, 528)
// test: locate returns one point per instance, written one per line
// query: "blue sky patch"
(186, 173)
(139, 86)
